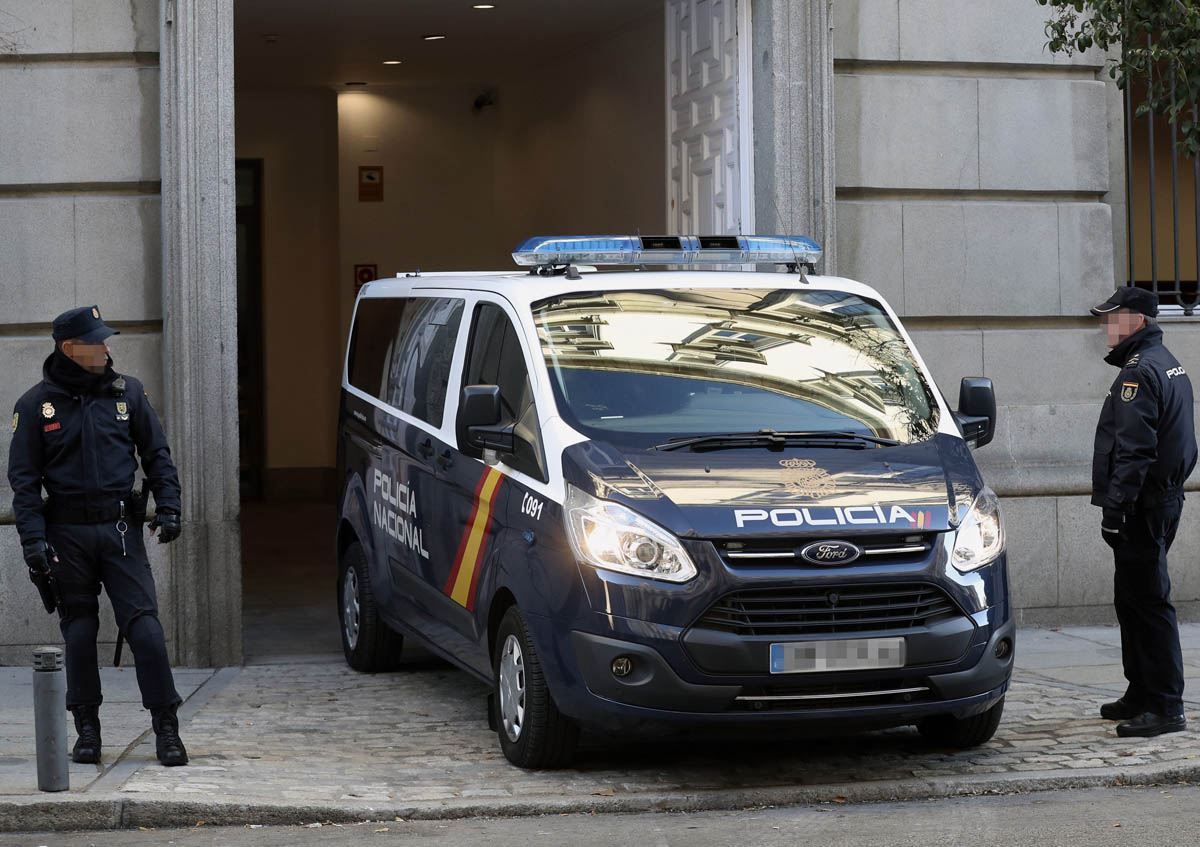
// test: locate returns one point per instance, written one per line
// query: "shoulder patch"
(1129, 390)
(16, 420)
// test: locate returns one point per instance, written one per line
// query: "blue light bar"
(666, 250)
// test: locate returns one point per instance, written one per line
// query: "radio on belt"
(636, 482)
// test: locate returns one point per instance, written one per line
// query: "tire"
(533, 733)
(946, 731)
(368, 643)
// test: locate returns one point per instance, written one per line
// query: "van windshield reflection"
(640, 368)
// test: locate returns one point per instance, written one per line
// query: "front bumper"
(655, 693)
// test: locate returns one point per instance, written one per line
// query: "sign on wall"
(370, 183)
(364, 274)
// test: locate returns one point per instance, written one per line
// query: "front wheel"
(533, 732)
(947, 731)
(368, 643)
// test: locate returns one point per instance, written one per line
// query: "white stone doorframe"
(793, 121)
(200, 326)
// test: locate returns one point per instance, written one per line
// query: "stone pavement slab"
(123, 723)
(314, 740)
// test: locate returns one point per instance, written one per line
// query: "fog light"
(622, 666)
(1003, 648)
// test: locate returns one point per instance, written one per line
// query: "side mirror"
(976, 415)
(479, 420)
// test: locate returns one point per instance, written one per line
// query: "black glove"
(169, 523)
(1112, 528)
(38, 556)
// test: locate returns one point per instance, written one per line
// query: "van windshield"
(637, 368)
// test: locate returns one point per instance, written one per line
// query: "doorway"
(528, 118)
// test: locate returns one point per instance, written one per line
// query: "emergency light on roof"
(543, 250)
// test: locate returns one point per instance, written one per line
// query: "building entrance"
(397, 136)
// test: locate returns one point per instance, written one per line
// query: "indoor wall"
(294, 134)
(576, 144)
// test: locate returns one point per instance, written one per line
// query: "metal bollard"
(50, 719)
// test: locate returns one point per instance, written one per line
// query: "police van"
(626, 497)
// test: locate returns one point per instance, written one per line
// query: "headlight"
(608, 535)
(980, 537)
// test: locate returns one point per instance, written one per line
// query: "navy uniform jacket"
(1146, 438)
(83, 446)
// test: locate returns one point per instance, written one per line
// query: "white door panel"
(704, 89)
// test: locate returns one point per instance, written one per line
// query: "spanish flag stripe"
(462, 545)
(475, 571)
(475, 538)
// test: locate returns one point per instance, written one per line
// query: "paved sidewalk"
(314, 741)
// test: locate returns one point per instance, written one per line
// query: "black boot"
(170, 748)
(87, 725)
(1149, 724)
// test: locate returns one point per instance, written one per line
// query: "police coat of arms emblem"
(803, 478)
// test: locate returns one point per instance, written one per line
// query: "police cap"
(1127, 297)
(84, 323)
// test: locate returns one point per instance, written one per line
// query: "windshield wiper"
(774, 440)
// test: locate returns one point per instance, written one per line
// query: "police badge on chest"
(122, 410)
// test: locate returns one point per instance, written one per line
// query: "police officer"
(74, 434)
(1145, 449)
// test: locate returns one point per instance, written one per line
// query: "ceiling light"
(433, 37)
(391, 61)
(484, 6)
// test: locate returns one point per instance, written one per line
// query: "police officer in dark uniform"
(74, 434)
(1145, 449)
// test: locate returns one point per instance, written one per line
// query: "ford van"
(626, 486)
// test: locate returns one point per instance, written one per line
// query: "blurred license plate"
(848, 654)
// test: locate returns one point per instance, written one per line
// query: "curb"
(113, 813)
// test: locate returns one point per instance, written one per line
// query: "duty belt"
(82, 508)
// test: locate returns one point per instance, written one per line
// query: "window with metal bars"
(1162, 212)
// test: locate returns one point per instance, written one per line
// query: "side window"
(494, 358)
(419, 364)
(371, 343)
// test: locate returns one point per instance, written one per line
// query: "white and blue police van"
(626, 487)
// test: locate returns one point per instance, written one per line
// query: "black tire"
(946, 731)
(369, 644)
(544, 736)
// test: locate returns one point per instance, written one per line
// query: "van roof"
(523, 288)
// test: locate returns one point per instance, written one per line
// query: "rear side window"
(401, 350)
(419, 370)
(375, 326)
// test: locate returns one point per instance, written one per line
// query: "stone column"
(793, 121)
(200, 325)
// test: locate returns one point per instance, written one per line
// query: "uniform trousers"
(1150, 650)
(91, 556)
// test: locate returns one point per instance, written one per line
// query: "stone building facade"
(934, 146)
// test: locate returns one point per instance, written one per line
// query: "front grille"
(877, 549)
(836, 609)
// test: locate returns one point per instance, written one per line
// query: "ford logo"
(831, 553)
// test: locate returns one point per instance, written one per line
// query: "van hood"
(928, 486)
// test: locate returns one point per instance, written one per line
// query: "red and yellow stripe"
(464, 576)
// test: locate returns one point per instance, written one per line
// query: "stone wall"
(80, 223)
(979, 183)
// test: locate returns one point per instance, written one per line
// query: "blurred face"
(1121, 324)
(90, 357)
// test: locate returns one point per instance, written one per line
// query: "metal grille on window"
(1162, 185)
